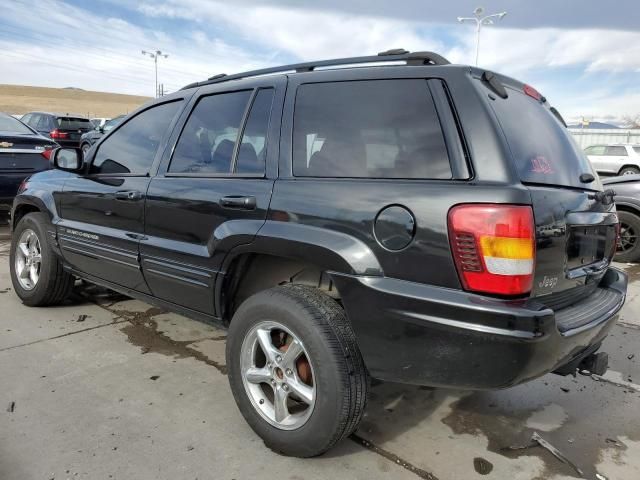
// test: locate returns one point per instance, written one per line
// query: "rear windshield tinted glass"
(11, 125)
(70, 123)
(543, 150)
(370, 129)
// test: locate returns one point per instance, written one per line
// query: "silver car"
(621, 159)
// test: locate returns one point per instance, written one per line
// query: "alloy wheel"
(277, 375)
(28, 259)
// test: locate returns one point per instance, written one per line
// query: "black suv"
(411, 221)
(66, 130)
(92, 136)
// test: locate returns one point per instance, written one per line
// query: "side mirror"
(69, 159)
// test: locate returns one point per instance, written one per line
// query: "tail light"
(493, 247)
(57, 134)
(46, 153)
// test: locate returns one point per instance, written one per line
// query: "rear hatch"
(73, 127)
(576, 223)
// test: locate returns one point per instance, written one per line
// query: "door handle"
(238, 202)
(128, 195)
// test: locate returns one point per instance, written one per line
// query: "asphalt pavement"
(107, 387)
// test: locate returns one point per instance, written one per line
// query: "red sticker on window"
(541, 165)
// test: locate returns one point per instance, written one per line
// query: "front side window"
(368, 129)
(208, 139)
(595, 150)
(132, 148)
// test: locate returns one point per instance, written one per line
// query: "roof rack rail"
(393, 55)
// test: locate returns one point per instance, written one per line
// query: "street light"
(155, 56)
(480, 21)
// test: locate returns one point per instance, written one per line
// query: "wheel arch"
(628, 165)
(290, 253)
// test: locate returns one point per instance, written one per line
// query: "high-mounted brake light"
(57, 134)
(532, 92)
(493, 246)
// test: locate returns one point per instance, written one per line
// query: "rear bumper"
(420, 334)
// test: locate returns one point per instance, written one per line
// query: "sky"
(583, 55)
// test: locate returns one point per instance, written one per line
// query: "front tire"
(302, 403)
(36, 272)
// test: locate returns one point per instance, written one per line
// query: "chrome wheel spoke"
(269, 350)
(24, 249)
(258, 375)
(33, 274)
(294, 350)
(23, 271)
(280, 404)
(301, 390)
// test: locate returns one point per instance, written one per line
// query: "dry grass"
(17, 99)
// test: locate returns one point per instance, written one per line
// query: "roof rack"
(393, 55)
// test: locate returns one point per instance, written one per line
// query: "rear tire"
(629, 171)
(629, 247)
(338, 379)
(46, 282)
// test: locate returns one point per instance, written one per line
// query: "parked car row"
(26, 143)
(23, 152)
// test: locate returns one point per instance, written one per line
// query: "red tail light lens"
(46, 153)
(493, 246)
(57, 134)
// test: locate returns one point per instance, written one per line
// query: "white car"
(621, 159)
(99, 122)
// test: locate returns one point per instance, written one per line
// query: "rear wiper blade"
(606, 197)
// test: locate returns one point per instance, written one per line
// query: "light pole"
(480, 21)
(155, 56)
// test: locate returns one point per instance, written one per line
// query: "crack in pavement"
(61, 336)
(392, 457)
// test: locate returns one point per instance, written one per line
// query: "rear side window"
(70, 123)
(542, 149)
(132, 148)
(636, 149)
(618, 151)
(368, 129)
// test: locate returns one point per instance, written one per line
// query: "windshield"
(70, 123)
(542, 148)
(11, 125)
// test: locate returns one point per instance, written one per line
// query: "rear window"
(636, 149)
(368, 129)
(11, 125)
(70, 123)
(542, 148)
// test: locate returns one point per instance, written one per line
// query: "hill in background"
(18, 99)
